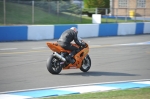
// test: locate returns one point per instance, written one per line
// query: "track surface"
(23, 64)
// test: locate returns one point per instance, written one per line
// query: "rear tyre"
(86, 64)
(53, 65)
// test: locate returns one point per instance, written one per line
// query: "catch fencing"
(16, 12)
(40, 12)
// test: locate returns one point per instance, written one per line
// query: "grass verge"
(143, 93)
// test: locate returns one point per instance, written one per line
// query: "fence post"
(106, 11)
(144, 14)
(96, 11)
(33, 12)
(58, 10)
(81, 12)
(106, 14)
(126, 15)
(4, 12)
(116, 15)
(135, 15)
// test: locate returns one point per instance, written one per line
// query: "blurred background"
(72, 11)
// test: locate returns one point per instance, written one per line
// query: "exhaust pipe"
(59, 56)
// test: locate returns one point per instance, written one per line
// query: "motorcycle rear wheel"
(53, 65)
(86, 64)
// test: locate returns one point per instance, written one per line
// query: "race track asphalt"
(23, 63)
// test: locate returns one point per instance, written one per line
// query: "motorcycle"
(57, 61)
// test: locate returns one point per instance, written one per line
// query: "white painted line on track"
(85, 89)
(125, 44)
(140, 43)
(8, 96)
(39, 47)
(9, 49)
(146, 82)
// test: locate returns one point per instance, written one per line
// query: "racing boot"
(70, 59)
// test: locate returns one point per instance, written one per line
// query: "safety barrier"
(43, 32)
(13, 33)
(40, 32)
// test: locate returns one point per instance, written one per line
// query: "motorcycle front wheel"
(86, 64)
(53, 65)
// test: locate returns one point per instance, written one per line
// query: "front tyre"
(53, 65)
(86, 64)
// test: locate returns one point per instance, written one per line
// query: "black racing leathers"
(66, 38)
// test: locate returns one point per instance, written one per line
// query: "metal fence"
(62, 12)
(40, 12)
(125, 14)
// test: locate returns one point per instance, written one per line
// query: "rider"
(65, 41)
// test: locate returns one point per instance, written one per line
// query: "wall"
(132, 5)
(43, 32)
(13, 33)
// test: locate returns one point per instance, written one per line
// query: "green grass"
(22, 14)
(143, 93)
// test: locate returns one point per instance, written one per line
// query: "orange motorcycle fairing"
(56, 48)
(78, 57)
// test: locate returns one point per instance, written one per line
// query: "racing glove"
(83, 44)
